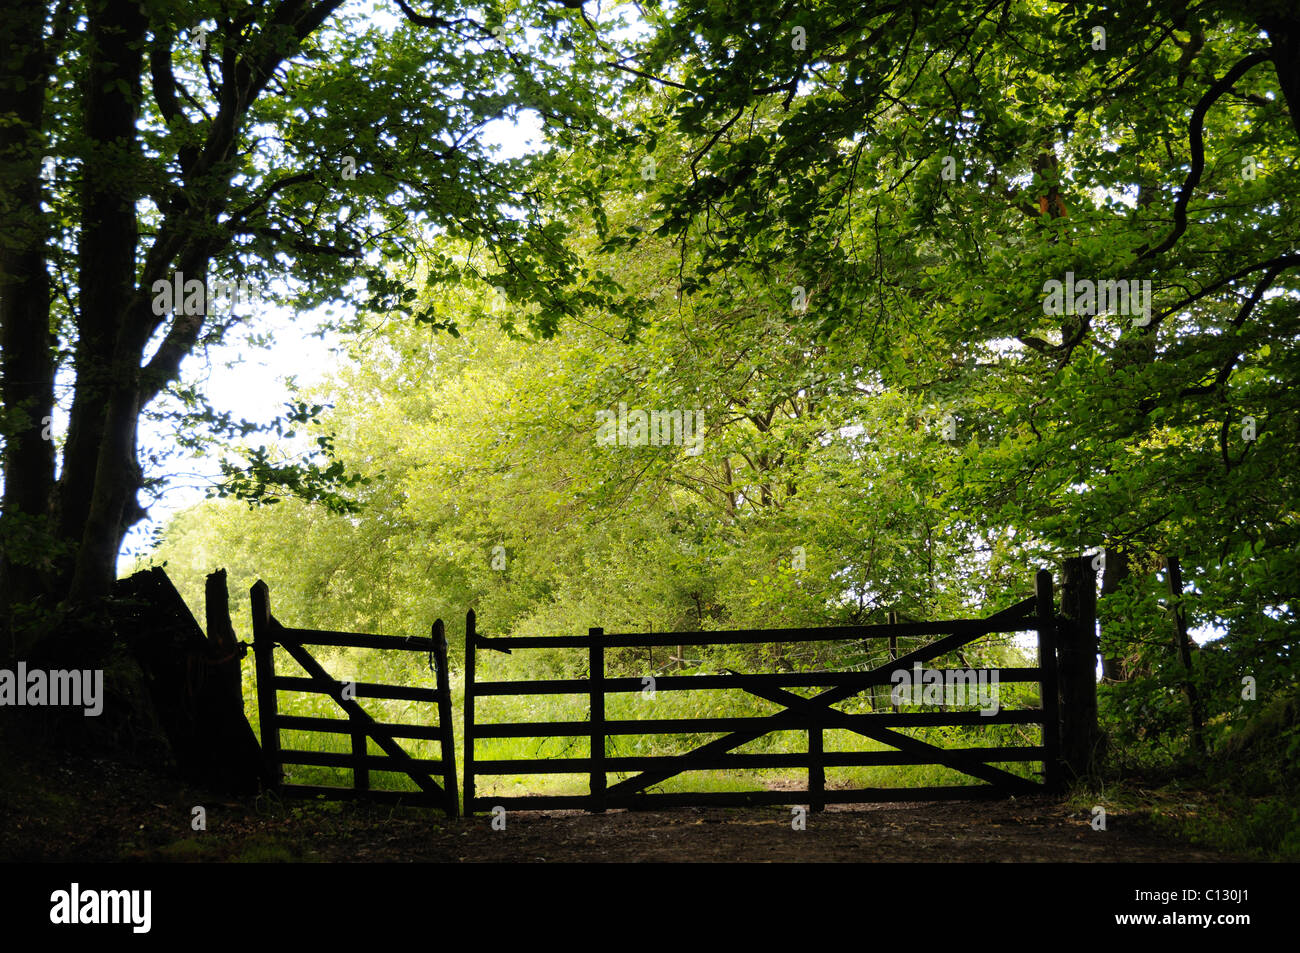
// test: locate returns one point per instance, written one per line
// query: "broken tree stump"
(194, 680)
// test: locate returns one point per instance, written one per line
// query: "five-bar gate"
(813, 715)
(1065, 677)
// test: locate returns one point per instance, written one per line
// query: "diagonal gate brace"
(683, 762)
(384, 740)
(950, 757)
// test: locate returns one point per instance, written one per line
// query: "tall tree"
(295, 144)
(928, 169)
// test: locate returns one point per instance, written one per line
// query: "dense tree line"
(865, 242)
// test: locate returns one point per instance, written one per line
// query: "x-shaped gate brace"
(820, 712)
(824, 715)
(372, 728)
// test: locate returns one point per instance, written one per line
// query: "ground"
(61, 808)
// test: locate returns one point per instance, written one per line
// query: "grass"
(1259, 827)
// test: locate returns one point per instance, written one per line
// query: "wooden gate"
(812, 715)
(268, 633)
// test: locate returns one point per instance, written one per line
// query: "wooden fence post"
(360, 769)
(596, 674)
(816, 769)
(1077, 653)
(225, 645)
(447, 743)
(264, 657)
(471, 643)
(1045, 611)
(223, 727)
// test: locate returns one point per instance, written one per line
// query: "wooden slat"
(447, 747)
(1049, 687)
(596, 675)
(893, 651)
(656, 801)
(742, 682)
(1013, 619)
(781, 721)
(816, 770)
(798, 759)
(293, 683)
(471, 729)
(731, 760)
(341, 727)
(360, 640)
(647, 726)
(347, 759)
(360, 758)
(1012, 622)
(531, 802)
(924, 719)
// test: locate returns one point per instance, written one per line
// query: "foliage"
(832, 232)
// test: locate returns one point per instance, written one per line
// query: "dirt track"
(109, 812)
(1034, 829)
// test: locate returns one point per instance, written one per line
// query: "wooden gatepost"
(1077, 667)
(1047, 622)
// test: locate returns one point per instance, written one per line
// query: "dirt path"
(102, 811)
(1032, 829)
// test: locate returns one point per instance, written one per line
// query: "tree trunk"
(1183, 643)
(26, 345)
(193, 681)
(1283, 29)
(103, 446)
(113, 506)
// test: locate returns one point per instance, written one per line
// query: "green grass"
(267, 851)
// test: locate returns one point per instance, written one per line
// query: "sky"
(250, 382)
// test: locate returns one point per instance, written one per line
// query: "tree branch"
(1195, 134)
